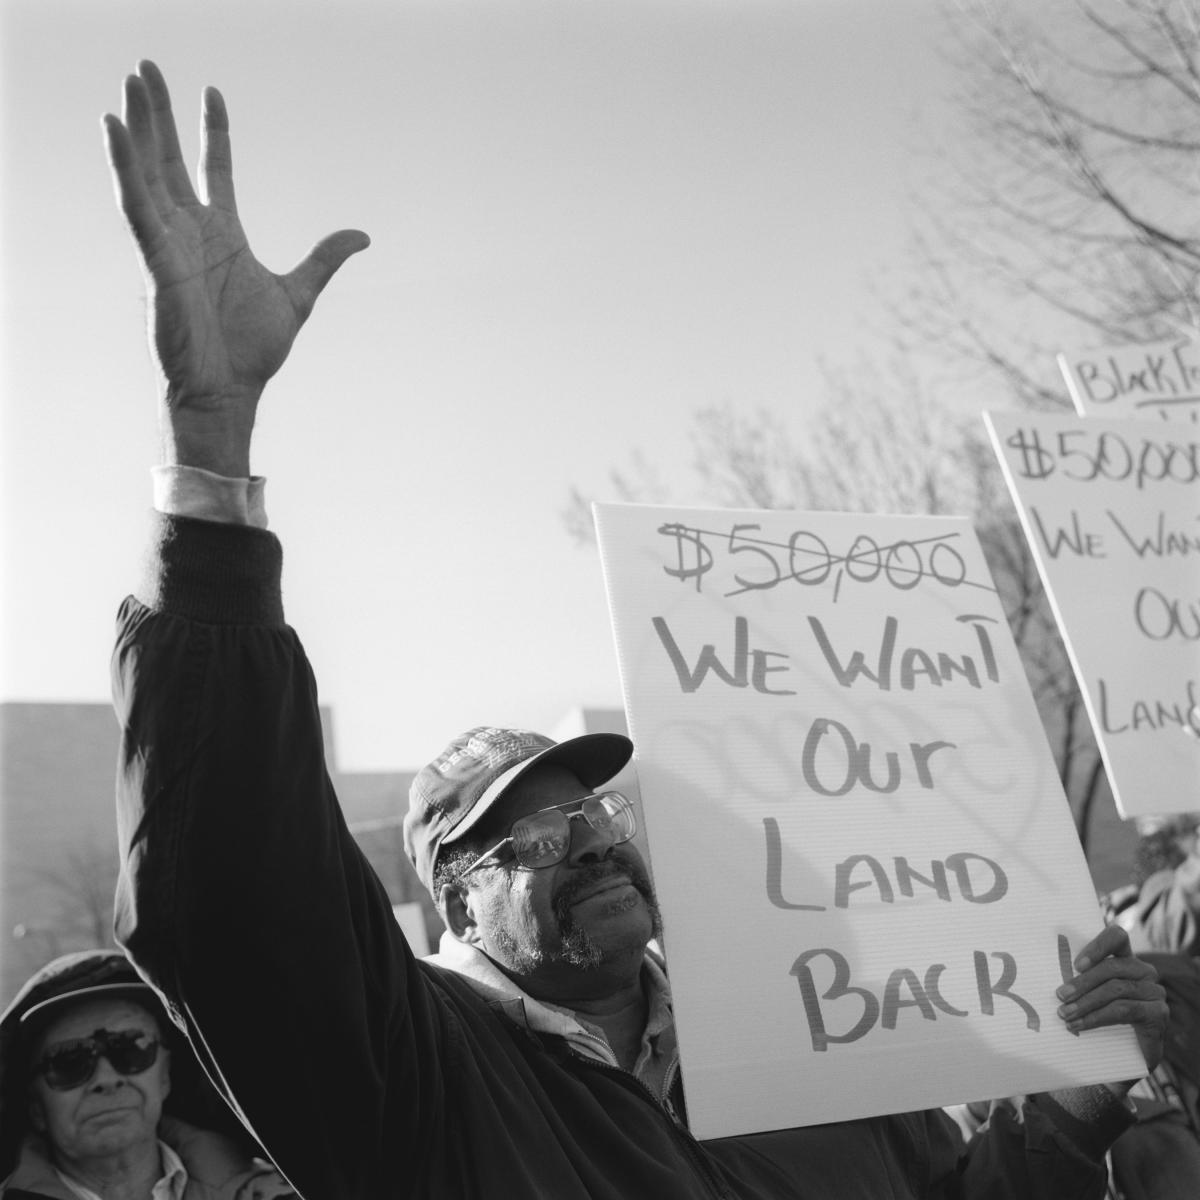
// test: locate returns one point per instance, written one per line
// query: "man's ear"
(458, 912)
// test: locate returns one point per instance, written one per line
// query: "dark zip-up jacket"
(367, 1074)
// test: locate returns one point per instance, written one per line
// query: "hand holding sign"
(1114, 987)
(832, 722)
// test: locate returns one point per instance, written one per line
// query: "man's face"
(109, 1113)
(594, 911)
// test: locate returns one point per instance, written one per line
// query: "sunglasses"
(71, 1064)
(544, 837)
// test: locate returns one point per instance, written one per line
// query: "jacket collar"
(499, 991)
(207, 1159)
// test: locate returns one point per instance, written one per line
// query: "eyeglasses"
(543, 838)
(71, 1064)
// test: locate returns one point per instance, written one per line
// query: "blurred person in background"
(1159, 1157)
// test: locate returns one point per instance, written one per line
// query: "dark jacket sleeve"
(1027, 1149)
(242, 896)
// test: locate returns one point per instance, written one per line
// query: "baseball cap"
(74, 977)
(450, 796)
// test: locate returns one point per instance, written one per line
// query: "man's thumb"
(307, 280)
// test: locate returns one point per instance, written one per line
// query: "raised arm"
(242, 895)
(221, 324)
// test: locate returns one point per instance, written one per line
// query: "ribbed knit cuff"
(1092, 1117)
(213, 572)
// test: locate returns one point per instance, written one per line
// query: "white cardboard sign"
(1139, 382)
(1111, 510)
(867, 869)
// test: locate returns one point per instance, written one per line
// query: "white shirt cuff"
(195, 492)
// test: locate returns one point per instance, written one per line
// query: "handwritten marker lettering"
(750, 667)
(833, 702)
(1082, 455)
(1162, 618)
(860, 1010)
(977, 878)
(1123, 715)
(693, 557)
(747, 562)
(915, 663)
(1143, 380)
(1110, 507)
(1160, 542)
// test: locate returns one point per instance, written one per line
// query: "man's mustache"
(584, 879)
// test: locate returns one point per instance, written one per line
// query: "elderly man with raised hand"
(535, 1056)
(85, 1071)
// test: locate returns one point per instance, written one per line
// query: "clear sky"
(588, 221)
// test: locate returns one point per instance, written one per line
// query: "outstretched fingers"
(139, 120)
(132, 193)
(216, 156)
(174, 170)
(308, 279)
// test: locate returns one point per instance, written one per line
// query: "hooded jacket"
(219, 1166)
(217, 1169)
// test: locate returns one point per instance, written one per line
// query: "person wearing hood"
(87, 1059)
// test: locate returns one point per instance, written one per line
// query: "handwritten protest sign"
(868, 873)
(1111, 510)
(1140, 382)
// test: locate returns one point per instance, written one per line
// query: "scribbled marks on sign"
(755, 563)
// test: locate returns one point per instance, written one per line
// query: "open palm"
(221, 323)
